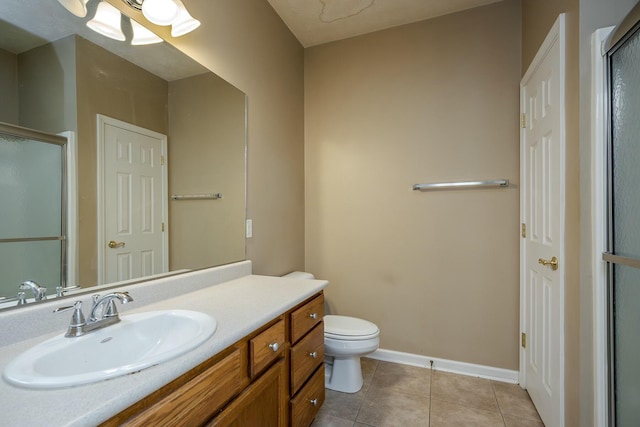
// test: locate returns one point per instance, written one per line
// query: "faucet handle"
(76, 326)
(22, 299)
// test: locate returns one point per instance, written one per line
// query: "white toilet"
(346, 339)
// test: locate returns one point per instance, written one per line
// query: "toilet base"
(343, 374)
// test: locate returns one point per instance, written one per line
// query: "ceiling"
(315, 22)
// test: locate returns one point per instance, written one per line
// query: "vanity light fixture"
(107, 22)
(184, 23)
(160, 12)
(167, 12)
(142, 36)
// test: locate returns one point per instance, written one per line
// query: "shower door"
(623, 256)
(33, 229)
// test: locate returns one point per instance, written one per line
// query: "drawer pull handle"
(313, 315)
(313, 355)
(314, 402)
(274, 346)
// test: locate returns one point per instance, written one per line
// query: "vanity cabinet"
(272, 377)
(307, 361)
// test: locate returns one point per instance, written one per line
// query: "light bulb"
(160, 12)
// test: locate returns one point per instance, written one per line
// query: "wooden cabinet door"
(263, 403)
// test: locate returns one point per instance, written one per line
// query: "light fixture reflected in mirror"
(142, 36)
(107, 22)
(184, 23)
(77, 7)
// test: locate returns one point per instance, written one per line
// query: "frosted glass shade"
(184, 23)
(142, 36)
(77, 7)
(107, 22)
(160, 12)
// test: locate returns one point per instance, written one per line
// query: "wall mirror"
(57, 75)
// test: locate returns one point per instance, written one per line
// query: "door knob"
(553, 262)
(113, 244)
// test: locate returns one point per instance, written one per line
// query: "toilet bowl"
(346, 339)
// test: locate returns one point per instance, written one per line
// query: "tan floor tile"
(330, 421)
(464, 390)
(447, 414)
(511, 421)
(342, 405)
(514, 400)
(388, 408)
(369, 367)
(402, 378)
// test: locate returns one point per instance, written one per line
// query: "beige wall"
(431, 101)
(206, 155)
(8, 87)
(140, 99)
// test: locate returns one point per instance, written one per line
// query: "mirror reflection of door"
(132, 191)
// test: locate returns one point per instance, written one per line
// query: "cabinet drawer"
(306, 356)
(266, 347)
(306, 404)
(306, 317)
(199, 399)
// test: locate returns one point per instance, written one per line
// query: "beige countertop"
(239, 306)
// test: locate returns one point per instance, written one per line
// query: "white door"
(134, 201)
(542, 213)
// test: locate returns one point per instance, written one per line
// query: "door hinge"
(523, 121)
(161, 160)
(163, 227)
(524, 230)
(524, 340)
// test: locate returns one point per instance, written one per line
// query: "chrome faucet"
(109, 315)
(39, 292)
(107, 302)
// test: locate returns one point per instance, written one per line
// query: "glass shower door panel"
(30, 188)
(39, 261)
(627, 344)
(625, 176)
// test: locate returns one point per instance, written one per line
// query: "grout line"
(495, 396)
(430, 390)
(369, 387)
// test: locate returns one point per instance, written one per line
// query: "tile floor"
(405, 396)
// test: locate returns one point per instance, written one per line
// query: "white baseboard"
(463, 368)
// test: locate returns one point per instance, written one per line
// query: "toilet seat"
(349, 328)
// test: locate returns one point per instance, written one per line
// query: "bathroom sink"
(137, 342)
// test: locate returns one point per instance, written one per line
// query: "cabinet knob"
(314, 402)
(313, 315)
(274, 346)
(313, 355)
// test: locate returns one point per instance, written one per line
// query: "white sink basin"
(137, 342)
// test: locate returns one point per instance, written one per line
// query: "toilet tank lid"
(348, 326)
